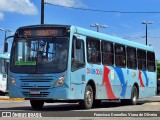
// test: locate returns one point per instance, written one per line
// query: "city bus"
(4, 61)
(63, 63)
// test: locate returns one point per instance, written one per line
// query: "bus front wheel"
(88, 98)
(37, 104)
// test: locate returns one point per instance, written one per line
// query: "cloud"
(25, 7)
(67, 3)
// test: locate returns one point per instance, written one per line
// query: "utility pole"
(146, 23)
(42, 11)
(98, 26)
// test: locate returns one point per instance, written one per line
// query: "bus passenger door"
(78, 68)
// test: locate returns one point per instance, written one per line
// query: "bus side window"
(120, 55)
(131, 58)
(93, 51)
(141, 55)
(107, 53)
(78, 57)
(151, 61)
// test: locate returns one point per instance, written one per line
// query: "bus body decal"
(94, 71)
(140, 79)
(108, 84)
(121, 77)
(145, 74)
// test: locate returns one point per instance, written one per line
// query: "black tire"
(134, 97)
(2, 93)
(158, 91)
(36, 104)
(87, 103)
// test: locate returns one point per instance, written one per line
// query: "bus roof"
(4, 56)
(97, 35)
(106, 37)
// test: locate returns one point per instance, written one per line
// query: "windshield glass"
(39, 55)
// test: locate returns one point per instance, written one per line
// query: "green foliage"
(158, 70)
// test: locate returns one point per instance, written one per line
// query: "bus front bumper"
(61, 92)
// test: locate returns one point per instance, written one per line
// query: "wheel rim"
(89, 97)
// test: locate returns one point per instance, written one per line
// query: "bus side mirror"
(78, 44)
(6, 47)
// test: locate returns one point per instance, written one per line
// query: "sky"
(17, 13)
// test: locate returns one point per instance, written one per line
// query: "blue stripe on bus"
(121, 77)
(145, 74)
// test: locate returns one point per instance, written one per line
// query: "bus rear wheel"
(37, 104)
(134, 97)
(88, 98)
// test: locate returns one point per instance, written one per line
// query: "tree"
(158, 69)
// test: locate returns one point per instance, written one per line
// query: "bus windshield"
(39, 55)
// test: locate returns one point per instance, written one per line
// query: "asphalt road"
(66, 110)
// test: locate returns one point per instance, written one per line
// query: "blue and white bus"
(4, 61)
(67, 63)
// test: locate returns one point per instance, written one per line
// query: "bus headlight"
(13, 82)
(60, 81)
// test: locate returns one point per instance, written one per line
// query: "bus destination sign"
(32, 32)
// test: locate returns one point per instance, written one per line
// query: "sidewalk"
(4, 97)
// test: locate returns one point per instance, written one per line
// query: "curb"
(7, 98)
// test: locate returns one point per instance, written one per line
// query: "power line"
(153, 37)
(134, 38)
(112, 11)
(105, 11)
(140, 37)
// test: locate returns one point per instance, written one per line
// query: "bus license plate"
(34, 92)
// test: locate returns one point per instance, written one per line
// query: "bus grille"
(34, 82)
(36, 79)
(42, 94)
(33, 87)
